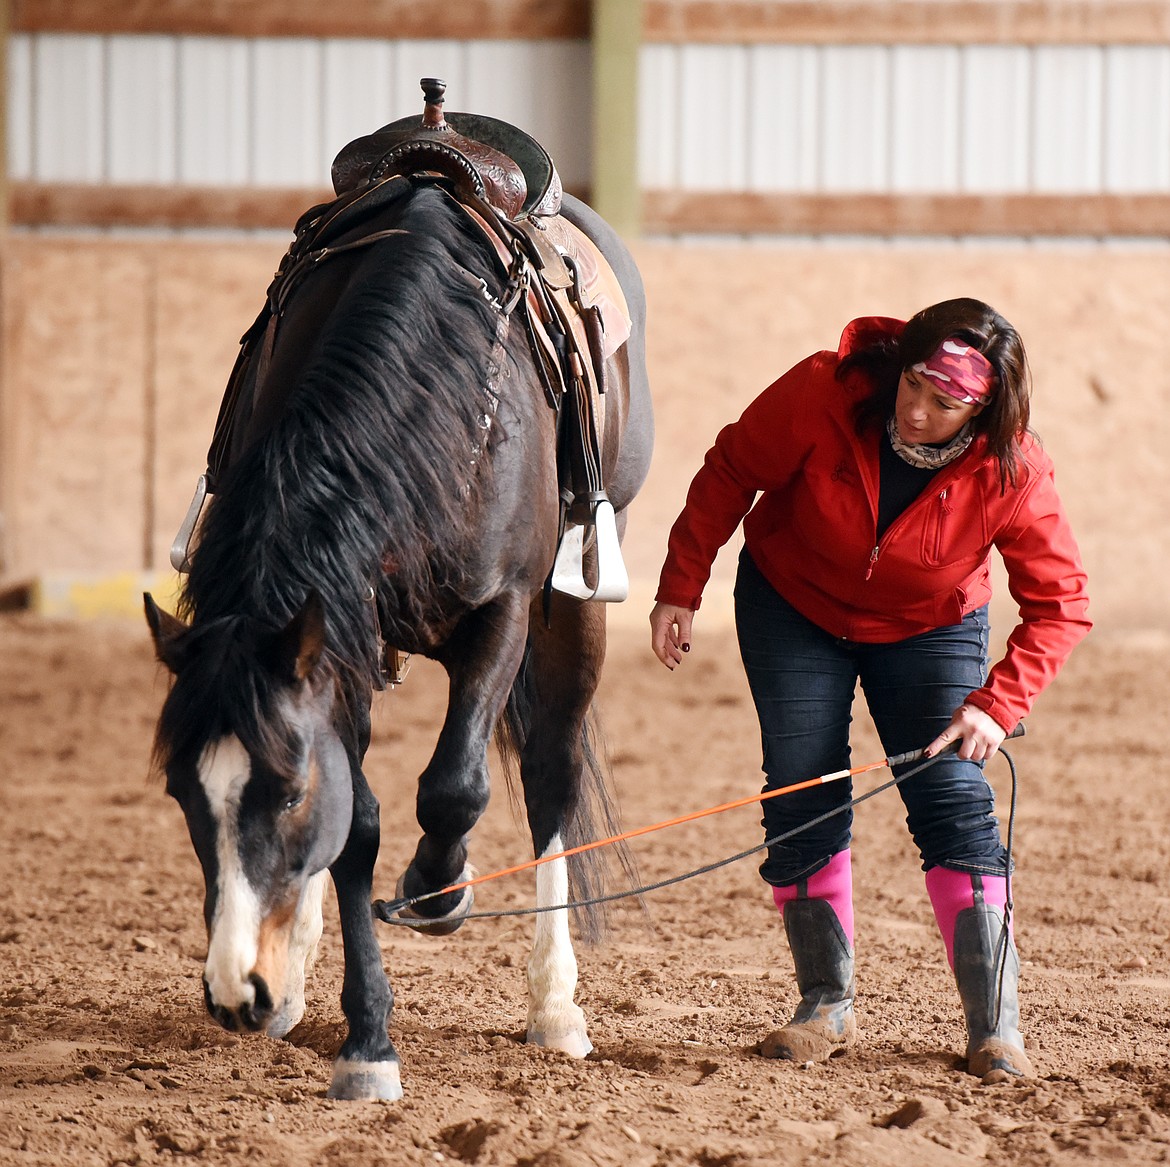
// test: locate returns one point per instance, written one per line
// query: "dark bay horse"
(397, 483)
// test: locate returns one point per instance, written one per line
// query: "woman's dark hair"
(1004, 420)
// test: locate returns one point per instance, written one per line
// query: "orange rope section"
(686, 818)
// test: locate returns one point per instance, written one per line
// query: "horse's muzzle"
(251, 1016)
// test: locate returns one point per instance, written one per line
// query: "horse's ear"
(303, 641)
(167, 631)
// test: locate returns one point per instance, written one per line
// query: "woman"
(888, 471)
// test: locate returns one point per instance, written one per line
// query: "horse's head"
(252, 752)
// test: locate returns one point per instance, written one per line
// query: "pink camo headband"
(963, 372)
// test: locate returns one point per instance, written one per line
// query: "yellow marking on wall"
(89, 597)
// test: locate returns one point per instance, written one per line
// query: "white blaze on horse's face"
(258, 941)
(235, 925)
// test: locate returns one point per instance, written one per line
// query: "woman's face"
(926, 415)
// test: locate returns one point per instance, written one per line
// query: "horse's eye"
(293, 800)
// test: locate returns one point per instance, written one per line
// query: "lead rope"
(387, 910)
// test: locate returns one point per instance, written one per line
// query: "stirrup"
(568, 573)
(179, 558)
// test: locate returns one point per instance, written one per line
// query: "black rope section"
(387, 910)
(1001, 947)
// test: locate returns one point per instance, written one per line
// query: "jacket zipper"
(877, 550)
(944, 510)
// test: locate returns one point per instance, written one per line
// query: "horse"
(396, 483)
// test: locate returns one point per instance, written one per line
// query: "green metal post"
(5, 17)
(4, 219)
(616, 37)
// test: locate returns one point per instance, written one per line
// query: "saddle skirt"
(598, 282)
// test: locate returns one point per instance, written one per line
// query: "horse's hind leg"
(555, 1020)
(481, 661)
(561, 676)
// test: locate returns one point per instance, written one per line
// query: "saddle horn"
(468, 150)
(433, 89)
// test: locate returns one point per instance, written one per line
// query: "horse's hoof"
(450, 921)
(365, 1081)
(574, 1042)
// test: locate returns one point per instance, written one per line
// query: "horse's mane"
(367, 467)
(224, 693)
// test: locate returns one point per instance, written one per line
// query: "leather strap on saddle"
(570, 296)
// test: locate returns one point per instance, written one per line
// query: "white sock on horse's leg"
(554, 1020)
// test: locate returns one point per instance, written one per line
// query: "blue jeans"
(803, 681)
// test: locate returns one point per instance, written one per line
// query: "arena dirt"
(107, 1056)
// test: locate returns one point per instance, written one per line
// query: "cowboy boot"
(986, 965)
(822, 952)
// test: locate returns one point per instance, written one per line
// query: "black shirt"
(899, 484)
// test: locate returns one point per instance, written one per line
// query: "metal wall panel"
(541, 86)
(214, 128)
(658, 117)
(286, 100)
(1067, 119)
(713, 98)
(1137, 118)
(855, 121)
(141, 96)
(995, 118)
(19, 109)
(68, 109)
(859, 118)
(560, 116)
(924, 118)
(998, 118)
(783, 117)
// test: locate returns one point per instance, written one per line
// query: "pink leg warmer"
(952, 891)
(834, 882)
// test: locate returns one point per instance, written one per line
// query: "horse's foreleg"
(367, 1065)
(564, 670)
(481, 661)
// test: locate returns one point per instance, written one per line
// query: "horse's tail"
(591, 812)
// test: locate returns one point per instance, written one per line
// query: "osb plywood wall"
(116, 355)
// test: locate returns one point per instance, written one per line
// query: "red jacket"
(813, 532)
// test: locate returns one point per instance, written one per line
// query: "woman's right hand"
(670, 633)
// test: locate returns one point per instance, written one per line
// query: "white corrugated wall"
(850, 118)
(923, 118)
(266, 112)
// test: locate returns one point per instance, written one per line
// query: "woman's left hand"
(979, 735)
